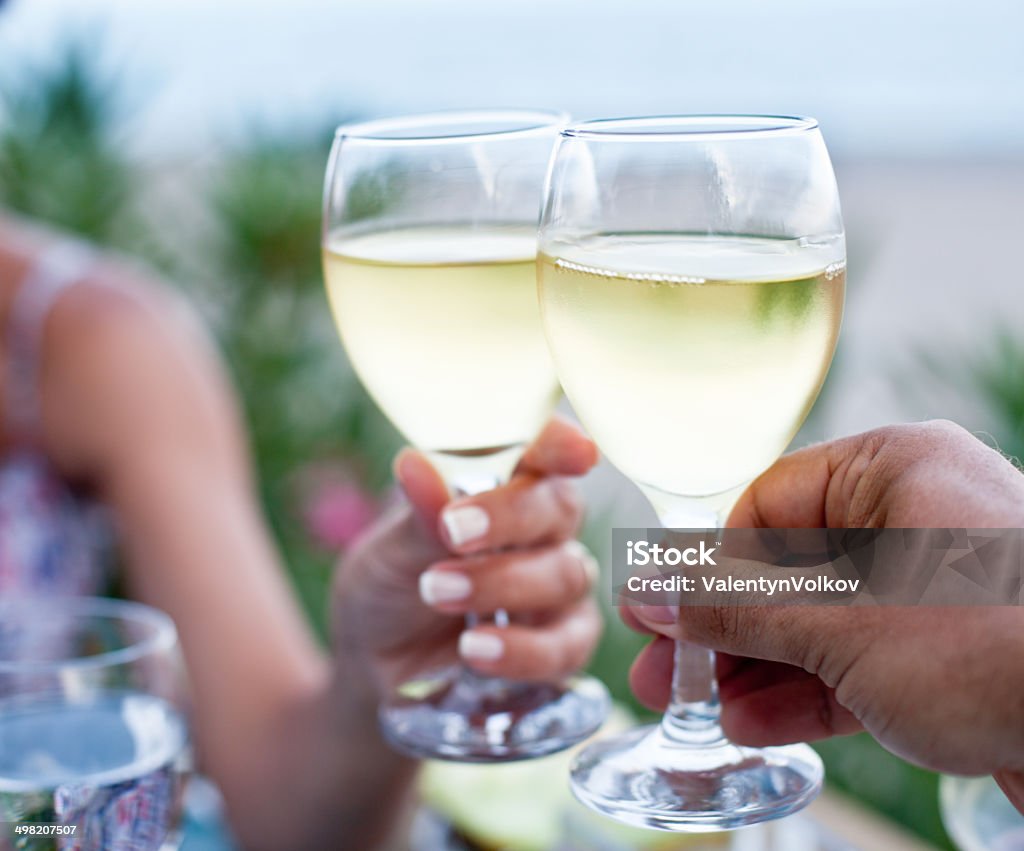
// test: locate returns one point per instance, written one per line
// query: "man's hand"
(942, 687)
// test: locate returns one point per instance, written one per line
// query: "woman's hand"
(402, 594)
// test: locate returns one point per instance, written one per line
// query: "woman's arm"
(136, 401)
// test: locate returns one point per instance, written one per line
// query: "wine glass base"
(456, 715)
(646, 779)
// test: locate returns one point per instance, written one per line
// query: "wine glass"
(94, 744)
(691, 274)
(429, 247)
(978, 816)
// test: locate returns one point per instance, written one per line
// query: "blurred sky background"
(921, 103)
(909, 78)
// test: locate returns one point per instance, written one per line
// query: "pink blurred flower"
(336, 509)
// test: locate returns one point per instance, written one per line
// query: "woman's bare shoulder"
(127, 305)
(127, 359)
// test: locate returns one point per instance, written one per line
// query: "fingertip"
(406, 466)
(650, 676)
(743, 514)
(587, 456)
(630, 619)
(579, 452)
(660, 619)
(562, 449)
(421, 484)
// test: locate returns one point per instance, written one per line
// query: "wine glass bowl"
(691, 275)
(978, 816)
(430, 239)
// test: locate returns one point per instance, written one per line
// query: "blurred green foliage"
(256, 273)
(58, 159)
(302, 402)
(259, 279)
(991, 380)
(908, 795)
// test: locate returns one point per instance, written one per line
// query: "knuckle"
(813, 657)
(578, 574)
(539, 657)
(824, 711)
(838, 646)
(880, 441)
(517, 503)
(723, 626)
(725, 622)
(899, 437)
(505, 581)
(946, 428)
(885, 456)
(560, 660)
(807, 638)
(566, 499)
(581, 630)
(576, 660)
(882, 435)
(499, 588)
(569, 658)
(520, 492)
(859, 482)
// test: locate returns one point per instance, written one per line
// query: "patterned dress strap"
(57, 268)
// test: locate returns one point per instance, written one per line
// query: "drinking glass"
(978, 816)
(429, 247)
(691, 274)
(93, 736)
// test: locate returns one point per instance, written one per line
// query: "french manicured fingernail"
(444, 586)
(481, 646)
(659, 614)
(590, 565)
(464, 524)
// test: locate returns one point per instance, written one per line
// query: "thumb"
(423, 487)
(795, 635)
(798, 490)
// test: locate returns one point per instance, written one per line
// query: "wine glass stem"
(692, 717)
(468, 475)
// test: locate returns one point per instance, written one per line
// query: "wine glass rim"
(457, 125)
(160, 632)
(699, 127)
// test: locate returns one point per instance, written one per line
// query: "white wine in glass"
(94, 736)
(691, 275)
(465, 302)
(654, 360)
(429, 250)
